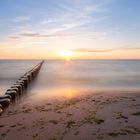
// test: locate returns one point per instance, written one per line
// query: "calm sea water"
(67, 78)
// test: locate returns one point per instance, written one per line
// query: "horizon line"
(73, 59)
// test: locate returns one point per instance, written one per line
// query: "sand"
(105, 116)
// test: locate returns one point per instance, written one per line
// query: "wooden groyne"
(17, 89)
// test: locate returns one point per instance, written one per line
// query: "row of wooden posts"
(17, 89)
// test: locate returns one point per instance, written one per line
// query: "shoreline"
(104, 116)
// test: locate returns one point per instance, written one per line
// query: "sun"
(67, 54)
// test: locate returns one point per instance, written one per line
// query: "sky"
(69, 29)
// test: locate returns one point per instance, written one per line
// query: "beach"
(66, 103)
(107, 116)
(70, 70)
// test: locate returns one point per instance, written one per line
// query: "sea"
(62, 78)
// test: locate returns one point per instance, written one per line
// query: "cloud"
(14, 37)
(92, 50)
(76, 15)
(47, 21)
(88, 50)
(20, 19)
(68, 18)
(131, 48)
(32, 34)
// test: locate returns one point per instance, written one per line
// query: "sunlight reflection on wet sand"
(52, 94)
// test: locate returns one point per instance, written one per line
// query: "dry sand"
(105, 116)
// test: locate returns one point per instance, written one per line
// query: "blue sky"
(93, 27)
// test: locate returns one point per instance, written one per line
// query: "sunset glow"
(69, 69)
(69, 29)
(67, 54)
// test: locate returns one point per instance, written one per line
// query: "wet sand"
(106, 116)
